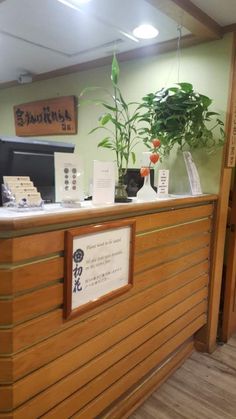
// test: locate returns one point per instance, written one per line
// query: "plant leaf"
(105, 143)
(133, 157)
(115, 70)
(104, 119)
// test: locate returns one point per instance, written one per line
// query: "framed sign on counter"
(98, 264)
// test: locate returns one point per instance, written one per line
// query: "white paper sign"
(103, 182)
(100, 264)
(193, 175)
(163, 182)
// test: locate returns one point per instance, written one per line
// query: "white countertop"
(12, 213)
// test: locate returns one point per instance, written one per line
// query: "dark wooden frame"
(86, 230)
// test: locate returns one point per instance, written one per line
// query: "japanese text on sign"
(100, 264)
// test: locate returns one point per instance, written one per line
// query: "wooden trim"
(208, 334)
(70, 313)
(229, 310)
(229, 28)
(231, 123)
(185, 13)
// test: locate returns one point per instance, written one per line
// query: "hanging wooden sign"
(231, 154)
(98, 265)
(57, 116)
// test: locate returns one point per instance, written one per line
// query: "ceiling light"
(73, 3)
(145, 32)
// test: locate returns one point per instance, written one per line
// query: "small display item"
(68, 178)
(21, 192)
(163, 182)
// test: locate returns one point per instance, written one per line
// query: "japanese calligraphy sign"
(46, 117)
(231, 153)
(99, 264)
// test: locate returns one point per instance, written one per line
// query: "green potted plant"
(180, 116)
(119, 124)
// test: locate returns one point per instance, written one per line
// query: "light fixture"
(74, 4)
(145, 31)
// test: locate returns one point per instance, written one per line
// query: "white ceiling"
(38, 36)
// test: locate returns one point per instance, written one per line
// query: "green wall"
(206, 66)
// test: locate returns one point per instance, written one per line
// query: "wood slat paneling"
(23, 335)
(27, 277)
(171, 234)
(111, 385)
(145, 387)
(176, 266)
(50, 367)
(161, 372)
(63, 366)
(29, 305)
(174, 217)
(109, 367)
(44, 352)
(163, 254)
(29, 247)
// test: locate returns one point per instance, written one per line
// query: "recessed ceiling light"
(145, 32)
(73, 3)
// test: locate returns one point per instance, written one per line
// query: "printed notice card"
(98, 264)
(103, 182)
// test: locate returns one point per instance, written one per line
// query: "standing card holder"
(20, 194)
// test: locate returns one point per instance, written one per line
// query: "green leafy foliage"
(118, 121)
(179, 115)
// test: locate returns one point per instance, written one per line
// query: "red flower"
(144, 171)
(154, 157)
(156, 142)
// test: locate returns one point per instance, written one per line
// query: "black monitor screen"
(134, 181)
(33, 158)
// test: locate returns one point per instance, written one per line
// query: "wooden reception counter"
(105, 361)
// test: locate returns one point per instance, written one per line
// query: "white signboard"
(99, 265)
(103, 182)
(163, 182)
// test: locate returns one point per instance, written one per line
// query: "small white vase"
(146, 193)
